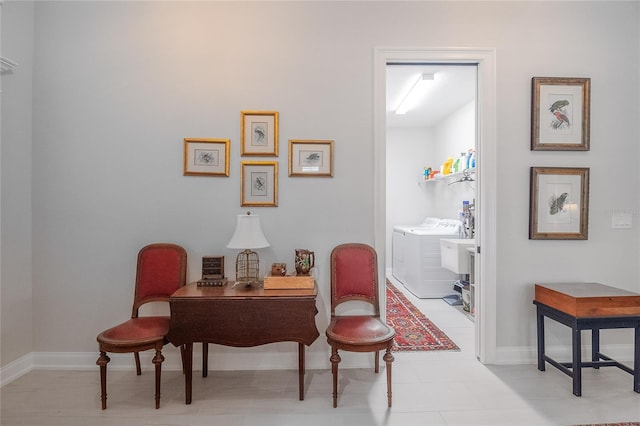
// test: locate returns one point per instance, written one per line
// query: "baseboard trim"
(227, 359)
(243, 359)
(15, 369)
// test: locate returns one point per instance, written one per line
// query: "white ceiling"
(454, 86)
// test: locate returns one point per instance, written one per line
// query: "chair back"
(354, 275)
(161, 270)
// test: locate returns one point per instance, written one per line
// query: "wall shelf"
(452, 177)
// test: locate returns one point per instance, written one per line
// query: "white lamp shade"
(248, 233)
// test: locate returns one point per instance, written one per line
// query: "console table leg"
(188, 374)
(301, 370)
(205, 359)
(636, 359)
(540, 319)
(576, 361)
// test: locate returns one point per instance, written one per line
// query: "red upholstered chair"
(161, 270)
(354, 277)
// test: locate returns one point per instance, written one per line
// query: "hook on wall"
(466, 177)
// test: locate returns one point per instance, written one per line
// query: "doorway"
(485, 270)
(431, 116)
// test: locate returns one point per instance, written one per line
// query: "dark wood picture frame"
(560, 114)
(559, 203)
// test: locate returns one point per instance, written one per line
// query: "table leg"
(540, 320)
(576, 361)
(301, 370)
(205, 359)
(595, 345)
(636, 360)
(188, 373)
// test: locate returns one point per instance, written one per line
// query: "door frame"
(486, 235)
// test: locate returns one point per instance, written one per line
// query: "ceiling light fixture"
(414, 94)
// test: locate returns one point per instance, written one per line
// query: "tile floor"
(429, 388)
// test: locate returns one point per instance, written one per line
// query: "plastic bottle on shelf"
(426, 173)
(462, 162)
(468, 159)
(455, 168)
(446, 167)
(472, 160)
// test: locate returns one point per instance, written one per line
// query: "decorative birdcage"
(247, 267)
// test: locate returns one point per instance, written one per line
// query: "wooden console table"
(241, 317)
(587, 306)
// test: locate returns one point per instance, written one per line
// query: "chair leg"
(102, 361)
(136, 356)
(335, 360)
(377, 364)
(388, 358)
(157, 361)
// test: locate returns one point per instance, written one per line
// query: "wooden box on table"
(588, 299)
(279, 282)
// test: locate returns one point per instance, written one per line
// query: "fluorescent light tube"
(414, 94)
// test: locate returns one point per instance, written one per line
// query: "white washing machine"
(416, 257)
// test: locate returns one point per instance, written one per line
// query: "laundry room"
(431, 179)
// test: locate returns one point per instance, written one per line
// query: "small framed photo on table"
(311, 158)
(259, 184)
(259, 133)
(559, 203)
(206, 157)
(560, 114)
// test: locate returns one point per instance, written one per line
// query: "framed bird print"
(259, 133)
(560, 111)
(559, 203)
(311, 158)
(259, 183)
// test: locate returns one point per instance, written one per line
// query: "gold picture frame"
(259, 133)
(559, 203)
(560, 114)
(206, 157)
(259, 183)
(311, 158)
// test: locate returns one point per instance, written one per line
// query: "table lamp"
(248, 235)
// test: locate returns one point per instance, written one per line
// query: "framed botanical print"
(259, 184)
(559, 203)
(311, 158)
(259, 133)
(560, 114)
(206, 157)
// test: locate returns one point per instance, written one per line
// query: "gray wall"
(118, 85)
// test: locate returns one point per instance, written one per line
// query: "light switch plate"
(621, 221)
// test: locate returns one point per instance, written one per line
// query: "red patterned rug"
(414, 331)
(614, 424)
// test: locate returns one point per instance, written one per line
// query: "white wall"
(455, 134)
(408, 152)
(15, 174)
(118, 85)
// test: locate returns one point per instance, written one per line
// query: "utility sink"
(454, 254)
